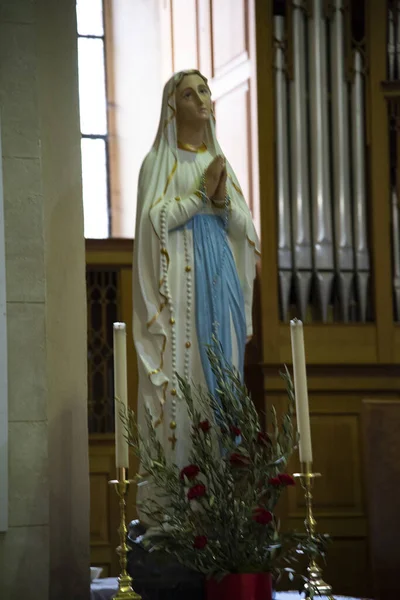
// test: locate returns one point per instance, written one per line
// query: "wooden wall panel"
(99, 530)
(167, 65)
(205, 37)
(234, 89)
(233, 107)
(230, 35)
(336, 437)
(378, 151)
(346, 567)
(185, 39)
(381, 437)
(103, 507)
(268, 213)
(337, 493)
(397, 344)
(327, 344)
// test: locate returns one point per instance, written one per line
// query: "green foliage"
(217, 516)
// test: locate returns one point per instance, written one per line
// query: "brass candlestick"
(315, 582)
(125, 589)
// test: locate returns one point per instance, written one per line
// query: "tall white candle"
(301, 393)
(120, 395)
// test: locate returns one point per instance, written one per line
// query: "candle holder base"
(125, 590)
(315, 583)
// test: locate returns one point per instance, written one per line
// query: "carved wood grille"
(102, 307)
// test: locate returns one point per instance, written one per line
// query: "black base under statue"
(157, 575)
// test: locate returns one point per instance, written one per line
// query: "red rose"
(262, 515)
(275, 481)
(197, 491)
(191, 471)
(263, 438)
(200, 542)
(204, 426)
(239, 460)
(286, 479)
(235, 430)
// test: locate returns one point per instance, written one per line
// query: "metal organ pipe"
(396, 252)
(300, 165)
(360, 205)
(341, 163)
(285, 260)
(320, 189)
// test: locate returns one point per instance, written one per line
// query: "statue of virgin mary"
(194, 261)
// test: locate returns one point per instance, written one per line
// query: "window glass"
(95, 192)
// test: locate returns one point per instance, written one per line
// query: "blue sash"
(219, 296)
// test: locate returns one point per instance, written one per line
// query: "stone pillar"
(45, 552)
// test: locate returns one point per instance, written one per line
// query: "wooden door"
(218, 38)
(234, 89)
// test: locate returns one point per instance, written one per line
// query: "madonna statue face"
(193, 101)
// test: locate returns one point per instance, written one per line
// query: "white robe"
(167, 198)
(188, 204)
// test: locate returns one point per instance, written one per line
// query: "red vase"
(240, 586)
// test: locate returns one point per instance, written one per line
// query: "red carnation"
(262, 515)
(239, 460)
(235, 430)
(200, 542)
(205, 426)
(197, 491)
(286, 479)
(275, 481)
(263, 438)
(191, 471)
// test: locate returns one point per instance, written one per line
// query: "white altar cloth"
(104, 589)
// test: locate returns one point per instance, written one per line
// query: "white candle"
(120, 395)
(300, 387)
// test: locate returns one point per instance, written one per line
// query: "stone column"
(45, 552)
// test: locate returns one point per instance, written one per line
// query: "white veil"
(158, 181)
